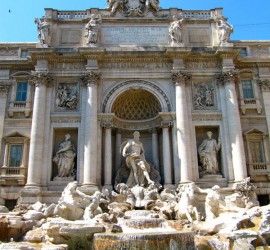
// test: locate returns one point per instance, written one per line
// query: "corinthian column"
(90, 80)
(234, 124)
(40, 80)
(180, 79)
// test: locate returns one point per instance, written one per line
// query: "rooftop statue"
(43, 31)
(92, 30)
(225, 30)
(175, 31)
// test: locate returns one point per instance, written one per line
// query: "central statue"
(135, 160)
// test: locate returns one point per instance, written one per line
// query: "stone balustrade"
(258, 168)
(71, 14)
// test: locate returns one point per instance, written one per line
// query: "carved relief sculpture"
(225, 30)
(203, 96)
(43, 31)
(139, 169)
(208, 154)
(64, 158)
(66, 97)
(175, 31)
(92, 29)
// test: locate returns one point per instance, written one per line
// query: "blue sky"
(251, 18)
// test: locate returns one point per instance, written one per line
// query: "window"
(21, 93)
(247, 89)
(15, 158)
(256, 148)
(24, 54)
(243, 52)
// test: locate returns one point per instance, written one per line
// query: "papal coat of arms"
(133, 7)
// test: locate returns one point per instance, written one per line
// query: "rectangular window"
(243, 52)
(15, 157)
(21, 93)
(247, 89)
(256, 148)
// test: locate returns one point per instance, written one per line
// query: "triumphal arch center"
(71, 102)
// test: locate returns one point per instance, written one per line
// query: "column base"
(108, 187)
(208, 181)
(30, 194)
(89, 188)
(169, 186)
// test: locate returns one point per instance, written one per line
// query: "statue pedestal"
(173, 44)
(208, 181)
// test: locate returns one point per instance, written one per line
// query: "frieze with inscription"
(67, 66)
(135, 65)
(203, 65)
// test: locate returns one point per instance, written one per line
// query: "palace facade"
(99, 75)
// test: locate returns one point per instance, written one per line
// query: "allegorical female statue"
(208, 154)
(175, 30)
(64, 158)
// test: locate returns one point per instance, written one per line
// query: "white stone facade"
(132, 77)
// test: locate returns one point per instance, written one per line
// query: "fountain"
(140, 215)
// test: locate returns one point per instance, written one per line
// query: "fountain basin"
(145, 241)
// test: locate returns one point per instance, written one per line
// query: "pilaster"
(4, 89)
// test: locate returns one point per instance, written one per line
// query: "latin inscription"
(67, 66)
(134, 35)
(133, 65)
(203, 65)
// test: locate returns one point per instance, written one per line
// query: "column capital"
(264, 84)
(91, 77)
(180, 77)
(231, 76)
(42, 78)
(107, 125)
(166, 124)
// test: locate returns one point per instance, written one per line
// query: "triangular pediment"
(254, 131)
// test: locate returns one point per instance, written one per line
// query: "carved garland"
(140, 82)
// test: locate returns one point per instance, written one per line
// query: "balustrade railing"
(258, 168)
(197, 14)
(71, 14)
(13, 171)
(250, 101)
